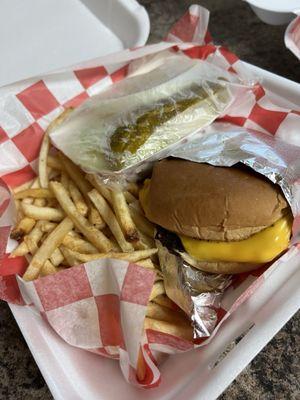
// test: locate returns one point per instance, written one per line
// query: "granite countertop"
(274, 373)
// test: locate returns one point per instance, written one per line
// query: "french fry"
(109, 217)
(77, 198)
(157, 311)
(144, 242)
(64, 180)
(84, 186)
(32, 238)
(48, 269)
(141, 222)
(131, 257)
(53, 240)
(97, 238)
(157, 289)
(133, 188)
(78, 244)
(183, 330)
(35, 193)
(95, 218)
(23, 186)
(40, 202)
(69, 256)
(56, 257)
(100, 187)
(129, 197)
(46, 226)
(55, 163)
(75, 174)
(147, 263)
(46, 213)
(24, 226)
(123, 215)
(164, 301)
(32, 241)
(35, 236)
(43, 172)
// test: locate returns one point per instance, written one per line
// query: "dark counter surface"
(274, 373)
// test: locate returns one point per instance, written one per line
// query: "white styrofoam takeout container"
(65, 32)
(275, 12)
(73, 374)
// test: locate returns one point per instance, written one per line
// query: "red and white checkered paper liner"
(100, 306)
(292, 37)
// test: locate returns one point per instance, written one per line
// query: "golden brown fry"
(69, 256)
(35, 235)
(64, 178)
(40, 202)
(24, 186)
(97, 238)
(78, 244)
(109, 217)
(24, 226)
(123, 215)
(158, 288)
(164, 301)
(35, 193)
(147, 263)
(157, 311)
(77, 198)
(182, 329)
(56, 257)
(129, 197)
(55, 163)
(141, 222)
(131, 257)
(133, 188)
(53, 174)
(32, 241)
(48, 269)
(52, 241)
(43, 172)
(45, 213)
(84, 186)
(95, 218)
(100, 186)
(46, 226)
(75, 174)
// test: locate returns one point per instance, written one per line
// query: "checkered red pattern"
(100, 306)
(292, 37)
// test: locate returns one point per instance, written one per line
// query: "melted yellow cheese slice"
(261, 247)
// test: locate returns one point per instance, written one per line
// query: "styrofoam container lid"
(287, 6)
(65, 32)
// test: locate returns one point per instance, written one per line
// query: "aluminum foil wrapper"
(199, 293)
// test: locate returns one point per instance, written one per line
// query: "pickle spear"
(132, 136)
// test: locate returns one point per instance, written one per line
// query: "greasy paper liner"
(102, 303)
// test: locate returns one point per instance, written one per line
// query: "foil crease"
(199, 293)
(196, 292)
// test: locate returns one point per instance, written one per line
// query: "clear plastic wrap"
(159, 104)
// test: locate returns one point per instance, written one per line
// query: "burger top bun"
(212, 203)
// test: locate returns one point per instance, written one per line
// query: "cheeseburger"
(218, 219)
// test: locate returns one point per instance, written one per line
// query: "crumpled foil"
(199, 293)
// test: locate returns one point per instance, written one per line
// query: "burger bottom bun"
(220, 267)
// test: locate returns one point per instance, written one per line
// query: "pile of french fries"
(66, 217)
